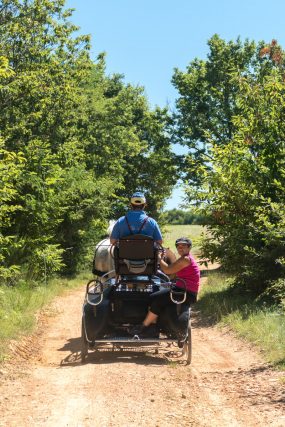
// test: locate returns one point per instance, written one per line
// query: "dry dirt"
(44, 383)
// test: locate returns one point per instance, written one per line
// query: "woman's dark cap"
(184, 240)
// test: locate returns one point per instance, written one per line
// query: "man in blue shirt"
(136, 222)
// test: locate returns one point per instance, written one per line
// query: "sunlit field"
(172, 232)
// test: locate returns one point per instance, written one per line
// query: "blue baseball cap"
(138, 198)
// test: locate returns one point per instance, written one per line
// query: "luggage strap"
(141, 227)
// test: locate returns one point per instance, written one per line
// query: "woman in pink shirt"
(184, 268)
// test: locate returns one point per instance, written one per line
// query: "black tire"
(84, 343)
(187, 350)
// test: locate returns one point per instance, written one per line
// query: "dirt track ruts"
(44, 383)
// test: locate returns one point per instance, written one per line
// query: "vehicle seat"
(136, 254)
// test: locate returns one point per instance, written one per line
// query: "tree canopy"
(75, 143)
(231, 115)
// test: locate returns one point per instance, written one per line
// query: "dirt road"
(45, 384)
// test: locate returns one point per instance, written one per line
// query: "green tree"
(179, 216)
(242, 190)
(154, 169)
(43, 105)
(80, 133)
(207, 100)
(128, 142)
(10, 167)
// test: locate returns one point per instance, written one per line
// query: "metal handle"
(177, 292)
(175, 301)
(94, 303)
(94, 284)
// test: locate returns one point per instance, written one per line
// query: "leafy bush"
(45, 262)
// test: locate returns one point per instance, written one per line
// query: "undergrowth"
(254, 319)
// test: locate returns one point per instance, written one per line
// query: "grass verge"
(261, 324)
(18, 306)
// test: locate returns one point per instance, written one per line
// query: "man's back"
(136, 222)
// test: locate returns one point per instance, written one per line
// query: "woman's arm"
(176, 266)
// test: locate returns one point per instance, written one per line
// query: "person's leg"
(150, 318)
(191, 298)
(158, 300)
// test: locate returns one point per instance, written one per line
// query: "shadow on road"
(201, 321)
(162, 355)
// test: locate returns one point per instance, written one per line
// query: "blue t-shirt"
(136, 219)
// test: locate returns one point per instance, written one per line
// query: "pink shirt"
(191, 274)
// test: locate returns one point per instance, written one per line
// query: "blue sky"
(145, 40)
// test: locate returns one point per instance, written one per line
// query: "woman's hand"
(175, 266)
(161, 254)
